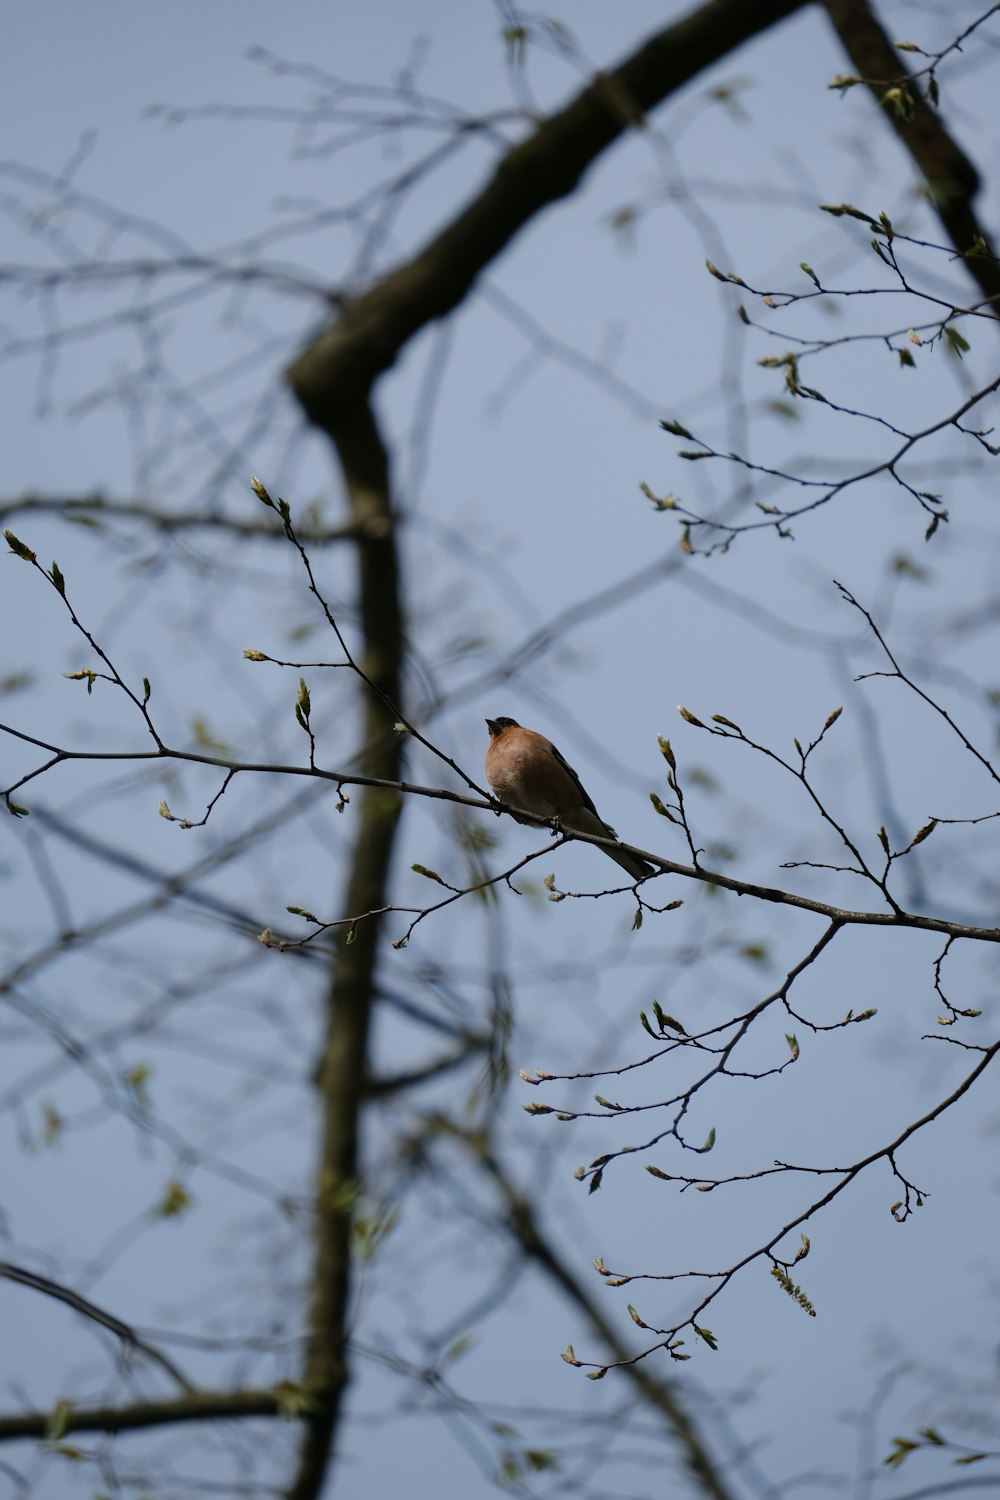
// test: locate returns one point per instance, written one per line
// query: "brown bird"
(526, 771)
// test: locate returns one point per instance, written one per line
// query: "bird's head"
(497, 726)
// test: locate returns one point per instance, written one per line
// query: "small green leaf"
(902, 1448)
(661, 808)
(840, 209)
(58, 1421)
(662, 1019)
(176, 1201)
(958, 344)
(900, 101)
(137, 1079)
(294, 1401)
(515, 39)
(19, 549)
(540, 1459)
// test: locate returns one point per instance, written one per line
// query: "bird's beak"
(492, 726)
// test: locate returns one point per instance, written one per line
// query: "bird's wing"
(585, 799)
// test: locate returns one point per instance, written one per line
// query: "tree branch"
(200, 1406)
(952, 179)
(350, 354)
(128, 1336)
(342, 1071)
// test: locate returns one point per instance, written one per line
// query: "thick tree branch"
(365, 341)
(521, 1222)
(200, 1406)
(343, 1066)
(951, 178)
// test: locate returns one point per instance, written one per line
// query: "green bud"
(19, 549)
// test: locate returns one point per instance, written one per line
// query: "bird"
(527, 772)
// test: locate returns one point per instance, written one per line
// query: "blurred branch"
(342, 1069)
(200, 1406)
(94, 509)
(521, 1222)
(128, 1336)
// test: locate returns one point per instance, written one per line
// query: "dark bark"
(952, 180)
(349, 355)
(342, 1071)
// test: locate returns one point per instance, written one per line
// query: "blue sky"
(520, 488)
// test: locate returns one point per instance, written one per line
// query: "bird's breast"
(514, 777)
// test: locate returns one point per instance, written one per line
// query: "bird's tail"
(636, 867)
(587, 821)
